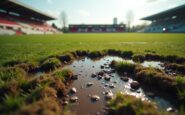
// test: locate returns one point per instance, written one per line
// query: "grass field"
(35, 47)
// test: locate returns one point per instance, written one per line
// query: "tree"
(54, 26)
(129, 19)
(63, 20)
(140, 27)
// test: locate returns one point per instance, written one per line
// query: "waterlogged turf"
(36, 47)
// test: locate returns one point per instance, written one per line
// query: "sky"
(101, 11)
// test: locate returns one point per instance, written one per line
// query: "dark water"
(84, 68)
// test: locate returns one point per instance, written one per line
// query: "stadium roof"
(180, 10)
(23, 9)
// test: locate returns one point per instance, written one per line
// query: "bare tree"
(140, 27)
(129, 19)
(63, 20)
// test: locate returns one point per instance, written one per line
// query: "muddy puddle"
(84, 68)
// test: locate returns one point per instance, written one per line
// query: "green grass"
(16, 97)
(50, 64)
(125, 67)
(36, 47)
(11, 73)
(129, 105)
(180, 79)
(10, 103)
(64, 75)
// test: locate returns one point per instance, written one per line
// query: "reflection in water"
(154, 64)
(84, 68)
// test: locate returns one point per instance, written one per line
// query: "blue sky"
(102, 11)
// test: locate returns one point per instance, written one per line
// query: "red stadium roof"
(178, 11)
(23, 10)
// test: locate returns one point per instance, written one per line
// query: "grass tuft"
(12, 63)
(50, 64)
(130, 105)
(127, 54)
(181, 94)
(180, 68)
(46, 106)
(180, 80)
(124, 67)
(8, 74)
(95, 54)
(81, 53)
(11, 103)
(114, 52)
(138, 58)
(157, 78)
(65, 75)
(29, 67)
(153, 57)
(65, 58)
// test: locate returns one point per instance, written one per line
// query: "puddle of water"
(39, 74)
(153, 64)
(84, 68)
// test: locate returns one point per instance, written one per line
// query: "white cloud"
(149, 1)
(83, 13)
(50, 1)
(54, 13)
(154, 1)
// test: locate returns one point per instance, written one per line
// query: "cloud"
(50, 1)
(54, 13)
(83, 13)
(149, 1)
(153, 1)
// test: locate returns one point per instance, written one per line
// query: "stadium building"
(172, 20)
(96, 28)
(18, 18)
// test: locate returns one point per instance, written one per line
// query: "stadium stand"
(96, 28)
(172, 20)
(18, 18)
